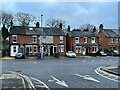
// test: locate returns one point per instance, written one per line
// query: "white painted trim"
(11, 50)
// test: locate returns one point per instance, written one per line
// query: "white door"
(13, 50)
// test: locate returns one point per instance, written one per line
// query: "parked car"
(115, 53)
(70, 54)
(101, 53)
(19, 56)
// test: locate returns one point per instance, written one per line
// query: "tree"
(5, 18)
(55, 23)
(4, 33)
(24, 19)
(87, 27)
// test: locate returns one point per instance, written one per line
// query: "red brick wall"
(103, 41)
(56, 40)
(81, 40)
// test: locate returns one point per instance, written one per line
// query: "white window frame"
(76, 41)
(80, 49)
(85, 39)
(14, 48)
(61, 39)
(112, 41)
(34, 49)
(77, 49)
(62, 48)
(34, 39)
(13, 38)
(93, 39)
(116, 40)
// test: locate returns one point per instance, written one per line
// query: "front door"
(51, 50)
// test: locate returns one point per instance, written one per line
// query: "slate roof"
(18, 30)
(37, 31)
(110, 33)
(83, 34)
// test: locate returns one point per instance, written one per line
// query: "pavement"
(112, 70)
(14, 81)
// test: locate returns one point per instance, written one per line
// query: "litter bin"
(39, 55)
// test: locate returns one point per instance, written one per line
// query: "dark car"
(19, 56)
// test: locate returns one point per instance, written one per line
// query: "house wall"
(103, 41)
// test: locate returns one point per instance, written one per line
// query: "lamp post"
(41, 19)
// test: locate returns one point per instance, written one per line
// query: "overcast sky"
(74, 14)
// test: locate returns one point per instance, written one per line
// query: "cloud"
(74, 13)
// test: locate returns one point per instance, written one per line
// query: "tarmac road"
(64, 72)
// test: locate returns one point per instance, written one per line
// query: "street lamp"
(41, 19)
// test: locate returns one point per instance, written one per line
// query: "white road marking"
(44, 85)
(87, 77)
(93, 60)
(35, 62)
(101, 60)
(58, 81)
(110, 60)
(106, 76)
(30, 84)
(83, 61)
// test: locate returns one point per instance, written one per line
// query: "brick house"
(31, 40)
(82, 42)
(108, 39)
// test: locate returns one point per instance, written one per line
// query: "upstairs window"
(85, 39)
(61, 39)
(116, 40)
(112, 41)
(14, 38)
(76, 39)
(34, 39)
(93, 39)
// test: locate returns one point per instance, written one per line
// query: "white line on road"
(106, 76)
(83, 61)
(30, 84)
(93, 60)
(87, 77)
(44, 85)
(101, 60)
(58, 81)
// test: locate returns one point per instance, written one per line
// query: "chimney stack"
(60, 26)
(37, 24)
(101, 27)
(68, 28)
(94, 29)
(11, 23)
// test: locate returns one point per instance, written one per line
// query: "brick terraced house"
(108, 39)
(31, 40)
(82, 42)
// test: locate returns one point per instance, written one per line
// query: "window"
(93, 49)
(112, 40)
(85, 39)
(14, 49)
(76, 39)
(116, 40)
(79, 49)
(35, 48)
(93, 39)
(44, 39)
(34, 39)
(62, 48)
(30, 48)
(76, 49)
(61, 39)
(14, 38)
